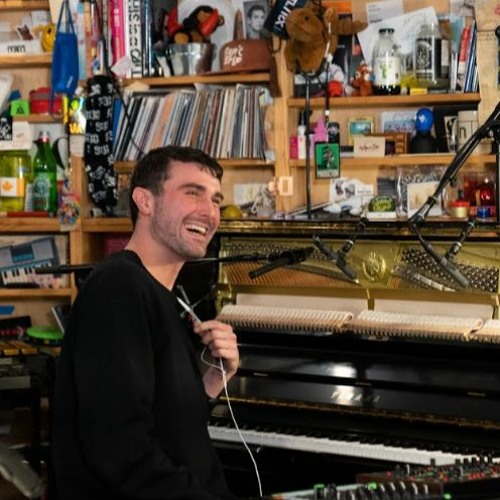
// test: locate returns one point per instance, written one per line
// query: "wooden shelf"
(29, 224)
(414, 159)
(38, 118)
(106, 225)
(24, 5)
(21, 61)
(35, 293)
(173, 81)
(126, 166)
(388, 101)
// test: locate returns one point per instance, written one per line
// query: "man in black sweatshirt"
(131, 405)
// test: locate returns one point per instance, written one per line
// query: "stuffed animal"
(197, 27)
(362, 81)
(313, 37)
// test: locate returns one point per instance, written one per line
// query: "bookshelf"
(31, 71)
(86, 241)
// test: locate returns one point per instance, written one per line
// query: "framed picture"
(255, 13)
(327, 160)
(359, 126)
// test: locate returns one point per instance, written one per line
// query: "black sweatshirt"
(130, 410)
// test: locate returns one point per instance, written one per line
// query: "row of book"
(225, 122)
(465, 78)
(117, 30)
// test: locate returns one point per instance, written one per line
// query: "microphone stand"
(491, 128)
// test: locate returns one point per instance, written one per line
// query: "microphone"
(338, 258)
(457, 246)
(446, 264)
(280, 259)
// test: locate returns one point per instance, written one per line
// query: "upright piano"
(390, 364)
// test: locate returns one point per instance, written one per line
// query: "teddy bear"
(362, 81)
(312, 37)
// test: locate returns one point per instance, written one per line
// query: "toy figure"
(362, 81)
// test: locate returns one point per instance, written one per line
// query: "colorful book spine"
(117, 25)
(463, 55)
(134, 36)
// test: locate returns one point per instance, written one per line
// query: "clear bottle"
(431, 62)
(44, 176)
(387, 64)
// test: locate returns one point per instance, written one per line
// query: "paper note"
(378, 11)
(406, 28)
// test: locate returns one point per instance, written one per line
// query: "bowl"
(190, 58)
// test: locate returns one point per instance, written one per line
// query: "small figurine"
(424, 141)
(362, 81)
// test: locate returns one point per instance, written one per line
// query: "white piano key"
(337, 447)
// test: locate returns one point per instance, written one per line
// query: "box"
(396, 143)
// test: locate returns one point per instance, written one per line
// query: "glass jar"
(15, 177)
(431, 61)
(387, 64)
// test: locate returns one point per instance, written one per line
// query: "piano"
(406, 373)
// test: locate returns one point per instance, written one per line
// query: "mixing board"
(468, 479)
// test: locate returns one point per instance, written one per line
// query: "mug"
(467, 125)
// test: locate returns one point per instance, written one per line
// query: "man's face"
(187, 213)
(257, 20)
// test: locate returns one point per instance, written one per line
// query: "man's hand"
(221, 343)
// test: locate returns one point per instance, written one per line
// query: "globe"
(424, 120)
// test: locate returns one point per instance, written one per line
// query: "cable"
(187, 307)
(233, 418)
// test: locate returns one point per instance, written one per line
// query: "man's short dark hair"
(153, 169)
(255, 7)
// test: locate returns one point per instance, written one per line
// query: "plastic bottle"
(44, 176)
(301, 135)
(387, 64)
(15, 177)
(319, 135)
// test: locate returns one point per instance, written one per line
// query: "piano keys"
(18, 263)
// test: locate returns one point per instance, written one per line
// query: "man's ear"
(144, 200)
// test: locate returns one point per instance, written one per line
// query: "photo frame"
(360, 126)
(327, 160)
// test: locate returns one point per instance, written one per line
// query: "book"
(463, 54)
(117, 27)
(133, 31)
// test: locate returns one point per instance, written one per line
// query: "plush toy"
(197, 27)
(313, 37)
(362, 81)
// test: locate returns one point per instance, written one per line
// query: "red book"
(463, 54)
(117, 23)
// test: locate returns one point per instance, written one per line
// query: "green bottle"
(44, 176)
